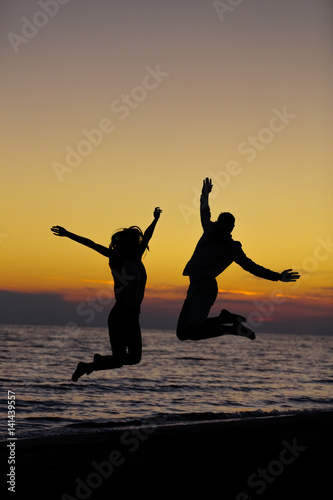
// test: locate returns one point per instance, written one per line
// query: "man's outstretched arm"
(262, 272)
(204, 203)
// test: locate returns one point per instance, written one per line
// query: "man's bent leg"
(200, 297)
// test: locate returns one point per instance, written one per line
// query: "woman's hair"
(134, 232)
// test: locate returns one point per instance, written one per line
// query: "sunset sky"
(111, 108)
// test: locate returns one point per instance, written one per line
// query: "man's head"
(225, 223)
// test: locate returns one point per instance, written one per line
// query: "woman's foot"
(81, 369)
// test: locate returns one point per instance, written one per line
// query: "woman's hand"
(157, 213)
(59, 231)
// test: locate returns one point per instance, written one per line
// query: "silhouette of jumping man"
(215, 251)
(125, 260)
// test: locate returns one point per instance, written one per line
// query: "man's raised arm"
(204, 204)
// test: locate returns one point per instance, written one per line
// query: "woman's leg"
(118, 347)
(134, 341)
(116, 322)
(125, 339)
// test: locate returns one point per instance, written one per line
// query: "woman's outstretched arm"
(61, 231)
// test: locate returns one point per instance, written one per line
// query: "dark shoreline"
(285, 457)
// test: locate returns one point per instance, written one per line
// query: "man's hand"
(157, 213)
(207, 186)
(59, 231)
(289, 275)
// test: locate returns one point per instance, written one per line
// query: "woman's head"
(127, 241)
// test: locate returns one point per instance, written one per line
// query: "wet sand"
(263, 458)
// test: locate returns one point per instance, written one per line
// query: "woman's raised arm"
(150, 229)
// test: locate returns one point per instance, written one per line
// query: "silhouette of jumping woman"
(215, 251)
(125, 260)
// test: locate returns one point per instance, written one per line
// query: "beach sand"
(265, 458)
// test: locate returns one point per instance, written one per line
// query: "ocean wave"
(39, 427)
(323, 381)
(311, 400)
(166, 419)
(162, 420)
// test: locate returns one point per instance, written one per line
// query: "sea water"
(223, 378)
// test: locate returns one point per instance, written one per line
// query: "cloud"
(34, 308)
(161, 307)
(323, 291)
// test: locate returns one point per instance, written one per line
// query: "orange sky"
(112, 109)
